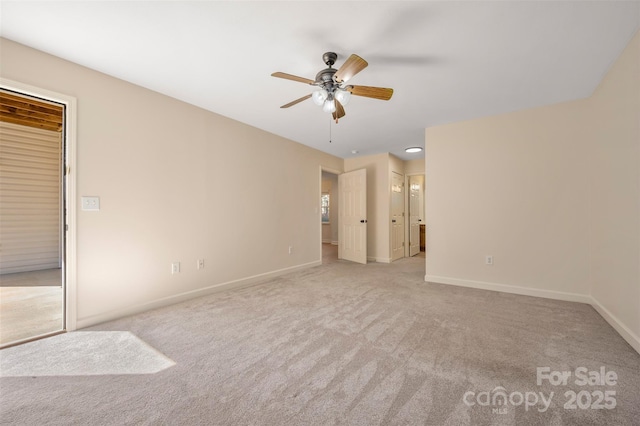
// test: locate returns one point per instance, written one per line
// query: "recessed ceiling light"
(355, 151)
(413, 149)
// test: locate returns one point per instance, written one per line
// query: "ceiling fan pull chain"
(329, 129)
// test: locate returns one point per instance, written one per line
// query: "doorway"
(329, 203)
(35, 195)
(347, 215)
(416, 226)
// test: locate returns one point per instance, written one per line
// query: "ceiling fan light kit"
(329, 105)
(319, 96)
(342, 96)
(332, 93)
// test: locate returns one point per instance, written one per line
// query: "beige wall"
(552, 193)
(414, 167)
(513, 187)
(614, 182)
(176, 183)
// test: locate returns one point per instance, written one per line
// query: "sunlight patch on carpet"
(83, 353)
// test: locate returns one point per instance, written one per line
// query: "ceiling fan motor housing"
(324, 78)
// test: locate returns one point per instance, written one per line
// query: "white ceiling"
(447, 61)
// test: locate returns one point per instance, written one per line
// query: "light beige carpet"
(83, 353)
(346, 344)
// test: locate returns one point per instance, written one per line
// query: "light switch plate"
(90, 204)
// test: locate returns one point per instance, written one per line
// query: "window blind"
(30, 198)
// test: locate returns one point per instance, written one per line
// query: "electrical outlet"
(175, 268)
(488, 260)
(200, 263)
(90, 204)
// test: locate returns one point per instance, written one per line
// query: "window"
(324, 207)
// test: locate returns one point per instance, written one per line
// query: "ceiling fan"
(333, 93)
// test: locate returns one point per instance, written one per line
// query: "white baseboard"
(622, 329)
(505, 288)
(614, 322)
(170, 300)
(379, 259)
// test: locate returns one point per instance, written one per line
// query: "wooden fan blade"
(292, 77)
(381, 93)
(339, 112)
(352, 66)
(304, 98)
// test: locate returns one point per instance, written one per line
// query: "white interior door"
(352, 220)
(397, 216)
(414, 215)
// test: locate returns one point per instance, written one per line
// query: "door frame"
(69, 188)
(319, 213)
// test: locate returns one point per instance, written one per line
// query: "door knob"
(393, 220)
(363, 221)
